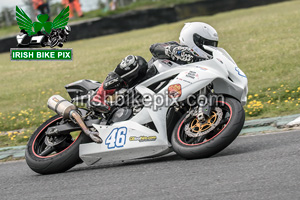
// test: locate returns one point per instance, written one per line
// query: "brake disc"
(196, 128)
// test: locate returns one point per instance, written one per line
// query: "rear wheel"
(193, 139)
(47, 155)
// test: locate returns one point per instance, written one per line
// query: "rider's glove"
(180, 53)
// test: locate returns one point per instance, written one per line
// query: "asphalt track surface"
(253, 167)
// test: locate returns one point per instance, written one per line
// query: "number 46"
(116, 138)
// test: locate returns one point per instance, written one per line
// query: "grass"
(264, 41)
(10, 30)
(16, 138)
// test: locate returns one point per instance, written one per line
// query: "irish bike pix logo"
(42, 33)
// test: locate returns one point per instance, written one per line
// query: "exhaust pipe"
(69, 111)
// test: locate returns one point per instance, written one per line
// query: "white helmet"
(196, 34)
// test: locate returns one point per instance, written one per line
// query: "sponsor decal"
(55, 99)
(167, 62)
(143, 138)
(194, 52)
(192, 75)
(115, 80)
(202, 68)
(116, 138)
(174, 91)
(240, 72)
(35, 35)
(184, 80)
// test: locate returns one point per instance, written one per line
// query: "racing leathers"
(132, 69)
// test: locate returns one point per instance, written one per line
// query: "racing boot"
(98, 101)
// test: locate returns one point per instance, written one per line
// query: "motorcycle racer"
(133, 69)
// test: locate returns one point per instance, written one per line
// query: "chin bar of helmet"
(68, 110)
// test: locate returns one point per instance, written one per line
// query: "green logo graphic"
(42, 33)
(25, 23)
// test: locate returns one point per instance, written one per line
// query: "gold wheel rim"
(196, 126)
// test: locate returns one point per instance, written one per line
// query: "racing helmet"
(67, 30)
(196, 34)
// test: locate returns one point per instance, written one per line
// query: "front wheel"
(57, 154)
(194, 139)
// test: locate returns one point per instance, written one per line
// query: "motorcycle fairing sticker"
(143, 138)
(116, 138)
(192, 75)
(202, 68)
(174, 91)
(240, 72)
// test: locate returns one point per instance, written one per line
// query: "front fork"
(206, 102)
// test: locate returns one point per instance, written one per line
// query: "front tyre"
(64, 155)
(194, 145)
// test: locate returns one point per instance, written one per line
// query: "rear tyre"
(224, 134)
(63, 156)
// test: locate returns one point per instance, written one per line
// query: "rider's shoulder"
(172, 43)
(166, 43)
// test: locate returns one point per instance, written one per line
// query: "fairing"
(132, 139)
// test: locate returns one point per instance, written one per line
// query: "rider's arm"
(160, 50)
(173, 51)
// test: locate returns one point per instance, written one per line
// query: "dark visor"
(199, 41)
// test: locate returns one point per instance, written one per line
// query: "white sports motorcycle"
(195, 110)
